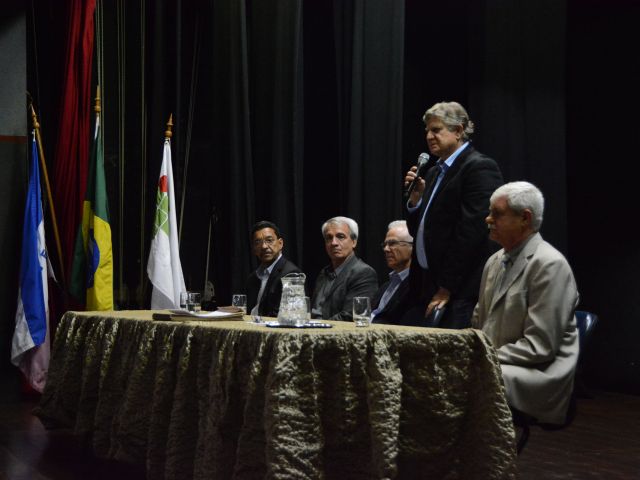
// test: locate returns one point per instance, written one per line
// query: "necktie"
(442, 167)
(506, 265)
(433, 188)
(499, 283)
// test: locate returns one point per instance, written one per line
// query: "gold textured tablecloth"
(230, 399)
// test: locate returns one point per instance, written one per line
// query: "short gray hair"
(521, 196)
(353, 226)
(452, 114)
(403, 225)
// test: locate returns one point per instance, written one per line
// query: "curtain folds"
(72, 149)
(238, 76)
(369, 46)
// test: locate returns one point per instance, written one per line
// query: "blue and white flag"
(30, 346)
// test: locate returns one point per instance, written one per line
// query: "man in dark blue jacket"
(446, 213)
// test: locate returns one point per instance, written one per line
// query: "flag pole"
(97, 108)
(167, 132)
(164, 267)
(52, 210)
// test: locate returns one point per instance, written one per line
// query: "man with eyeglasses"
(391, 302)
(264, 287)
(345, 277)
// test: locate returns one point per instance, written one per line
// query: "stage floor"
(602, 442)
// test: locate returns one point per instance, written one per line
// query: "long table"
(231, 399)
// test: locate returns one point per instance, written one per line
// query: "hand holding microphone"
(414, 182)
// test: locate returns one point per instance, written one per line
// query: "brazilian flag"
(92, 270)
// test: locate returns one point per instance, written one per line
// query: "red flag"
(72, 149)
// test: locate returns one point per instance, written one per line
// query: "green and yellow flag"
(92, 270)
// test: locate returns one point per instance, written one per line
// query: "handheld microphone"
(423, 159)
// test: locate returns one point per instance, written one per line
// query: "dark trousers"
(457, 313)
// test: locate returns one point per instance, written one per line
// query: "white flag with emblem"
(164, 267)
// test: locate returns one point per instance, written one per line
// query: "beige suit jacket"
(531, 323)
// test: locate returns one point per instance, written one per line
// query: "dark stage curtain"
(354, 86)
(505, 62)
(270, 133)
(603, 79)
(516, 88)
(256, 124)
(369, 57)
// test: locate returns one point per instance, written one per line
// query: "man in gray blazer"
(345, 277)
(526, 306)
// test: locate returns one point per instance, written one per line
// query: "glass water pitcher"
(293, 306)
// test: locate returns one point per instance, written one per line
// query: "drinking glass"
(307, 302)
(183, 300)
(193, 301)
(240, 300)
(362, 311)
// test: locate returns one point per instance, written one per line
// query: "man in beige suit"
(526, 306)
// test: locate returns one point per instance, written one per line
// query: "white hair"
(401, 224)
(521, 196)
(353, 226)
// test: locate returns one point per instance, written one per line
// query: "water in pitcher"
(293, 305)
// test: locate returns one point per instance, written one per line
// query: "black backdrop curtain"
(264, 147)
(230, 72)
(517, 93)
(257, 128)
(603, 98)
(369, 57)
(354, 60)
(505, 62)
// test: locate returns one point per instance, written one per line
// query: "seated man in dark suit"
(345, 277)
(264, 287)
(391, 302)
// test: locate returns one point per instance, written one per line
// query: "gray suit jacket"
(531, 323)
(357, 279)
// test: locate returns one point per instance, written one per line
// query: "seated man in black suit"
(264, 287)
(345, 277)
(391, 302)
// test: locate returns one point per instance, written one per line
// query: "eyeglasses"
(394, 243)
(269, 241)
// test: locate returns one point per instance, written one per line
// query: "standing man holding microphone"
(446, 212)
